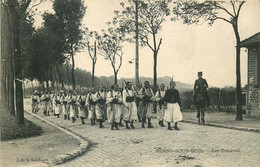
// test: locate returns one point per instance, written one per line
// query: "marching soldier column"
(129, 104)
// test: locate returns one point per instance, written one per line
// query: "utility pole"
(136, 45)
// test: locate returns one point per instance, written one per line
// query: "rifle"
(124, 81)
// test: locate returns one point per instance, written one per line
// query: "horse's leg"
(203, 115)
(198, 114)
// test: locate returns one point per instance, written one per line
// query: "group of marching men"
(116, 105)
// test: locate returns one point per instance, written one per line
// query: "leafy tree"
(228, 11)
(110, 46)
(151, 15)
(18, 13)
(70, 14)
(47, 50)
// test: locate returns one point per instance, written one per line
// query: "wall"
(253, 82)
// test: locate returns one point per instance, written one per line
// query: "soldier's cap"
(200, 72)
(61, 91)
(35, 91)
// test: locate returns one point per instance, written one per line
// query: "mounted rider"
(201, 96)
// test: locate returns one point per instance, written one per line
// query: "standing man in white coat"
(147, 95)
(159, 98)
(114, 101)
(130, 106)
(100, 99)
(91, 105)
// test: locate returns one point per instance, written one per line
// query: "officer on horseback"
(200, 97)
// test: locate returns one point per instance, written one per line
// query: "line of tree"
(16, 33)
(36, 53)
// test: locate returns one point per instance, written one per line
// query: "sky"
(185, 50)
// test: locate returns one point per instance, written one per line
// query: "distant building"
(253, 93)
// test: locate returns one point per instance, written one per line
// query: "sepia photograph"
(128, 83)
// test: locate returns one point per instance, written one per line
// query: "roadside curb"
(225, 126)
(83, 146)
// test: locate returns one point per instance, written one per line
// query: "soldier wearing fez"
(35, 101)
(100, 99)
(159, 98)
(114, 101)
(172, 106)
(130, 106)
(91, 105)
(81, 101)
(46, 103)
(146, 94)
(73, 105)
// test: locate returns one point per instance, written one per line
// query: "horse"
(201, 101)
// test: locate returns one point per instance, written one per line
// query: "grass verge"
(10, 129)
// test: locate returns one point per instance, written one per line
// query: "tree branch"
(233, 6)
(120, 57)
(220, 7)
(89, 51)
(221, 18)
(95, 53)
(159, 45)
(239, 8)
(35, 5)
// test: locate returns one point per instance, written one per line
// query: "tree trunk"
(238, 85)
(24, 93)
(8, 84)
(155, 52)
(42, 85)
(18, 70)
(155, 72)
(11, 96)
(47, 85)
(11, 86)
(115, 81)
(53, 85)
(3, 82)
(32, 86)
(238, 74)
(93, 72)
(72, 71)
(57, 76)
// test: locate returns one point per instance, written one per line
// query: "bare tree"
(92, 51)
(110, 46)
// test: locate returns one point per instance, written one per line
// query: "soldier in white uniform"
(73, 105)
(100, 99)
(46, 102)
(147, 95)
(58, 102)
(159, 97)
(35, 101)
(114, 101)
(91, 105)
(130, 106)
(81, 101)
(66, 111)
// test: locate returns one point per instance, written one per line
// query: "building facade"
(253, 92)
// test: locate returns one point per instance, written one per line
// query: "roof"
(251, 40)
